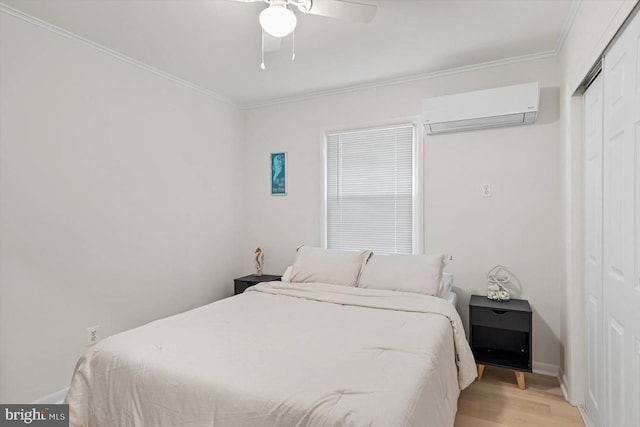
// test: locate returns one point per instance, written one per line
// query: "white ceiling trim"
(347, 89)
(73, 36)
(568, 23)
(381, 83)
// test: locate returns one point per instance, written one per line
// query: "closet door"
(593, 117)
(621, 267)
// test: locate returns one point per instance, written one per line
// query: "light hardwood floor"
(496, 401)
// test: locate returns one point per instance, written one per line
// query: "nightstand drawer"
(503, 319)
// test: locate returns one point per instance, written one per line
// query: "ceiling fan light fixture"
(278, 20)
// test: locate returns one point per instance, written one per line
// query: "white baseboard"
(585, 417)
(55, 397)
(583, 412)
(546, 369)
(563, 385)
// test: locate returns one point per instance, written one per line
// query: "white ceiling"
(215, 44)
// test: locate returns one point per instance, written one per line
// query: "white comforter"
(282, 355)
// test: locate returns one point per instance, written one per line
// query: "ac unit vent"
(504, 106)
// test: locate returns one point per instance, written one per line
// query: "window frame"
(417, 179)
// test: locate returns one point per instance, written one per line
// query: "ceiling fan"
(279, 20)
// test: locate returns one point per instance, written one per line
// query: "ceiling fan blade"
(271, 43)
(347, 10)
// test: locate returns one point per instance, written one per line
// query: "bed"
(282, 354)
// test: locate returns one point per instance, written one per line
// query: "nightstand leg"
(480, 371)
(520, 379)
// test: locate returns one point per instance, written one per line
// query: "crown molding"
(118, 55)
(568, 23)
(400, 80)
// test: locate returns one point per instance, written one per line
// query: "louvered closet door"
(621, 229)
(593, 118)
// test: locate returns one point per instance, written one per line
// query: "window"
(371, 189)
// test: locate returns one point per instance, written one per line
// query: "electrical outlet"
(486, 190)
(92, 335)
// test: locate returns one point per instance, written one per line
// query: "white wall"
(111, 212)
(119, 200)
(520, 226)
(595, 24)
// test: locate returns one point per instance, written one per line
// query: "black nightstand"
(242, 283)
(500, 333)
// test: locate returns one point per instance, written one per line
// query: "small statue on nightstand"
(259, 260)
(496, 283)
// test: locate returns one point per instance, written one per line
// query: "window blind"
(370, 197)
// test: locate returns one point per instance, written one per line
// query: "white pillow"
(286, 276)
(420, 274)
(328, 266)
(447, 283)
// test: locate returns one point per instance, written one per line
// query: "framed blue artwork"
(278, 174)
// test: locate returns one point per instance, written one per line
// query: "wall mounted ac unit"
(482, 109)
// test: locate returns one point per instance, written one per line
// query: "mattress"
(282, 354)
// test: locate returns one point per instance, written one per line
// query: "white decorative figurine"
(496, 283)
(259, 260)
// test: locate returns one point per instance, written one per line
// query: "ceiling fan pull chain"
(293, 45)
(262, 63)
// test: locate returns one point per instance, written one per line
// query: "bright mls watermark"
(34, 415)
